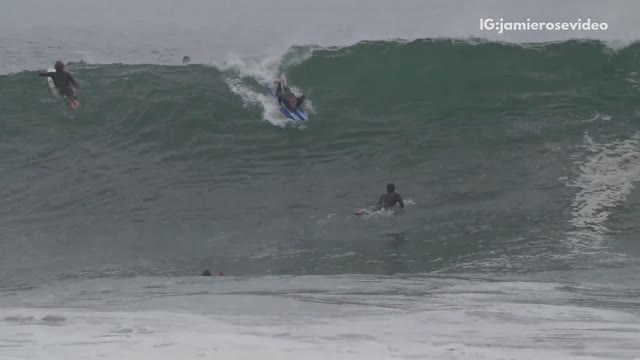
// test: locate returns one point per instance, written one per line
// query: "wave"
(479, 134)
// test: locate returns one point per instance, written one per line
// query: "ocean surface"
(517, 155)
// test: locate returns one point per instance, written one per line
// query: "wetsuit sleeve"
(400, 201)
(73, 82)
(279, 92)
(47, 74)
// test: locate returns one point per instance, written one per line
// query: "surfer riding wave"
(287, 97)
(64, 83)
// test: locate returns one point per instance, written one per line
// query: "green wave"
(476, 133)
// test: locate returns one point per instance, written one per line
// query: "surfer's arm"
(47, 74)
(379, 204)
(279, 91)
(400, 201)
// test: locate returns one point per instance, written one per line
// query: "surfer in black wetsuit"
(286, 96)
(63, 81)
(390, 199)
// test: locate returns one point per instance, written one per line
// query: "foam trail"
(606, 179)
(249, 96)
(240, 72)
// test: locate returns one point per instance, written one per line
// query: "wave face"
(511, 158)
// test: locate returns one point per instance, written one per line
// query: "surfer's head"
(391, 188)
(59, 66)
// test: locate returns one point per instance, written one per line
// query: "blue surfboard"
(296, 115)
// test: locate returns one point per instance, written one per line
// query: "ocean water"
(517, 155)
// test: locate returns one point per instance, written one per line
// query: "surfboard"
(296, 115)
(74, 104)
(374, 211)
(362, 212)
(52, 86)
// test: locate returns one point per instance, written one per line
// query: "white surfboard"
(52, 86)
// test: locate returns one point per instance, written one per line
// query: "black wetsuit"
(63, 82)
(389, 200)
(284, 94)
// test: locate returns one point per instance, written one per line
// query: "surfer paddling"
(65, 83)
(387, 201)
(286, 96)
(390, 199)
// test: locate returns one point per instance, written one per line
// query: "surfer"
(64, 82)
(390, 199)
(286, 96)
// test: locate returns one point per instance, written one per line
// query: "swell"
(185, 160)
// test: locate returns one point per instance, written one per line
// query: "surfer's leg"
(70, 98)
(67, 93)
(299, 101)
